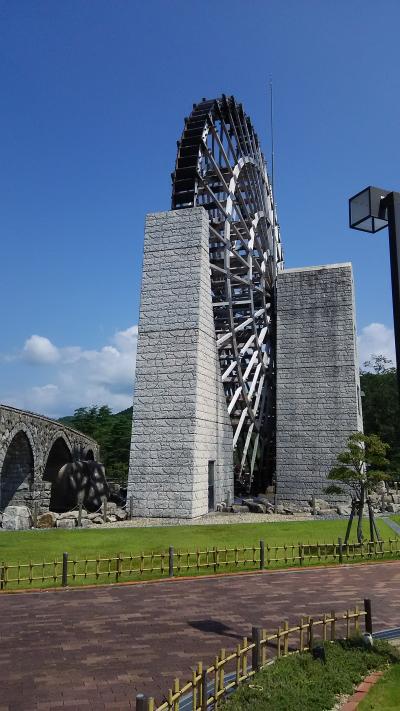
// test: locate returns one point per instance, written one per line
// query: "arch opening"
(17, 472)
(61, 499)
(89, 455)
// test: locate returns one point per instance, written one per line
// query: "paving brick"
(178, 623)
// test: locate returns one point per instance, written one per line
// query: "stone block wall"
(318, 393)
(180, 419)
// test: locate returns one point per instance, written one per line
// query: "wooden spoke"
(220, 167)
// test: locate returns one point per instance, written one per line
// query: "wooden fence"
(209, 684)
(66, 570)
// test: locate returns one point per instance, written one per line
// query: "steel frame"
(220, 166)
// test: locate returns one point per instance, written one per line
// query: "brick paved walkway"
(95, 648)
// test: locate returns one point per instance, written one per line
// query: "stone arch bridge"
(32, 451)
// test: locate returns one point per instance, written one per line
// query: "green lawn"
(48, 545)
(385, 695)
(301, 682)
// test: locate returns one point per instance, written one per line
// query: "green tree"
(380, 404)
(111, 431)
(359, 469)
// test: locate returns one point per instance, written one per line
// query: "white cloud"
(40, 350)
(376, 339)
(79, 377)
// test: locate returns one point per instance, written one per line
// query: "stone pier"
(181, 461)
(318, 387)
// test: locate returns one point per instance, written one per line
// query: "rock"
(257, 507)
(291, 508)
(393, 508)
(85, 523)
(326, 512)
(66, 523)
(68, 514)
(263, 499)
(320, 504)
(17, 518)
(381, 487)
(343, 510)
(121, 514)
(47, 520)
(111, 507)
(239, 508)
(269, 506)
(96, 518)
(111, 519)
(74, 514)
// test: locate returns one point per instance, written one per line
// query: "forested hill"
(112, 432)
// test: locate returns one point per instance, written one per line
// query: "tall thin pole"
(392, 202)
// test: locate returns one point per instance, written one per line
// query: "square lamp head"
(366, 211)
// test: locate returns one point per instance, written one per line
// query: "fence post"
(131, 507)
(118, 568)
(2, 576)
(310, 633)
(301, 553)
(215, 559)
(368, 616)
(340, 544)
(105, 510)
(64, 578)
(333, 625)
(171, 562)
(80, 516)
(262, 555)
(286, 638)
(313, 506)
(204, 693)
(141, 702)
(256, 636)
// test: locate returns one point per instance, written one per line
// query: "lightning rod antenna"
(271, 118)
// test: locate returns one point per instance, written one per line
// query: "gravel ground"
(208, 520)
(213, 519)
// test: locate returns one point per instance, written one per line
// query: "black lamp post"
(370, 211)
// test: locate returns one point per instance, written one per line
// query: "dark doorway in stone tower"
(16, 476)
(211, 494)
(61, 498)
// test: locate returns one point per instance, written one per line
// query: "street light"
(371, 210)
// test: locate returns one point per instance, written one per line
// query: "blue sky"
(93, 96)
